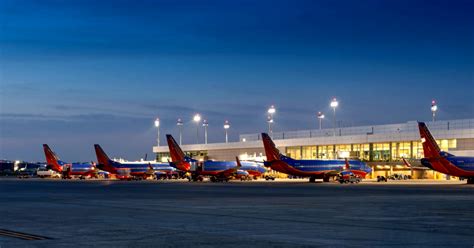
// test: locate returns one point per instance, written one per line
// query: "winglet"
(271, 151)
(406, 162)
(239, 165)
(52, 159)
(348, 166)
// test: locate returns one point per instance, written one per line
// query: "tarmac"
(282, 213)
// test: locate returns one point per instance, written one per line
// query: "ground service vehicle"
(348, 177)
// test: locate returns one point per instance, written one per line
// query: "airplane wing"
(232, 171)
(409, 165)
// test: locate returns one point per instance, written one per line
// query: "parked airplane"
(130, 170)
(314, 169)
(214, 169)
(68, 169)
(444, 162)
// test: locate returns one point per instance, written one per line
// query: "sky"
(79, 72)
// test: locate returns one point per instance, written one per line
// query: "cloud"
(76, 117)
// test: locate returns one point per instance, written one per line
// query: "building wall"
(381, 146)
(230, 154)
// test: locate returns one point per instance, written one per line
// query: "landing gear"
(470, 180)
(326, 179)
(219, 179)
(312, 179)
(195, 178)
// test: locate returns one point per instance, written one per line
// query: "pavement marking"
(20, 235)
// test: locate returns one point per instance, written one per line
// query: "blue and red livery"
(198, 169)
(128, 170)
(68, 169)
(444, 162)
(314, 169)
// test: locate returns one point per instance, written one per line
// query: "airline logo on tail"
(430, 147)
(271, 151)
(52, 159)
(104, 162)
(431, 150)
(178, 157)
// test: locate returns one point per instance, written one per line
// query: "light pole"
(270, 112)
(320, 117)
(434, 108)
(226, 127)
(205, 124)
(179, 123)
(197, 119)
(334, 104)
(157, 125)
(270, 121)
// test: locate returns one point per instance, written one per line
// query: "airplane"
(130, 170)
(214, 169)
(68, 170)
(314, 169)
(444, 162)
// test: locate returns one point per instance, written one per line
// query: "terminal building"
(381, 146)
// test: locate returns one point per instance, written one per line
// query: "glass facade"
(383, 152)
(325, 152)
(309, 152)
(361, 151)
(294, 152)
(417, 150)
(401, 149)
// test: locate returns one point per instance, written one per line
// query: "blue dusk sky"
(75, 73)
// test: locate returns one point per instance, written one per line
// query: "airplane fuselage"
(317, 168)
(137, 169)
(211, 168)
(76, 169)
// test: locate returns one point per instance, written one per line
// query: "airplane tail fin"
(271, 151)
(430, 147)
(102, 157)
(52, 159)
(175, 151)
(178, 157)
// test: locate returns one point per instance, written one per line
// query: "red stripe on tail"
(51, 158)
(430, 147)
(177, 155)
(271, 151)
(103, 160)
